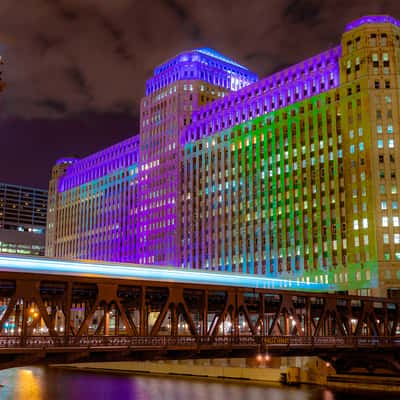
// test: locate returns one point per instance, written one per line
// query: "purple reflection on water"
(36, 383)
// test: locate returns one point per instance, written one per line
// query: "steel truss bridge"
(59, 311)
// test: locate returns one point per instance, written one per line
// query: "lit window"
(397, 255)
(352, 148)
(383, 205)
(394, 189)
(385, 222)
(361, 146)
(395, 205)
(351, 134)
(360, 131)
(397, 238)
(355, 224)
(396, 221)
(380, 144)
(386, 238)
(379, 128)
(390, 128)
(356, 241)
(365, 223)
(365, 240)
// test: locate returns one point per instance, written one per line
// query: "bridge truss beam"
(61, 314)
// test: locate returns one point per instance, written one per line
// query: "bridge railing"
(189, 342)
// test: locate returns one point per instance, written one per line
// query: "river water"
(37, 383)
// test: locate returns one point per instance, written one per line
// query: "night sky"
(76, 69)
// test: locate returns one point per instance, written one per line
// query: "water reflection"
(36, 383)
(26, 383)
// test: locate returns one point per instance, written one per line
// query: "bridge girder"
(58, 314)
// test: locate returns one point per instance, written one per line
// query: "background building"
(22, 219)
(294, 175)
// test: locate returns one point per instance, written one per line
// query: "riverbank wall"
(289, 370)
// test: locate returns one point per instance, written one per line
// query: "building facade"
(177, 87)
(22, 220)
(92, 205)
(294, 175)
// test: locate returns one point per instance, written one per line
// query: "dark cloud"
(76, 60)
(53, 105)
(302, 11)
(96, 54)
(78, 79)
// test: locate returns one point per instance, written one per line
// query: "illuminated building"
(92, 205)
(177, 87)
(294, 175)
(22, 219)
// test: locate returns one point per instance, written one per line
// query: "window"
(391, 143)
(379, 129)
(361, 146)
(365, 223)
(395, 205)
(385, 222)
(383, 205)
(396, 221)
(386, 238)
(394, 189)
(355, 224)
(352, 148)
(390, 128)
(380, 144)
(396, 238)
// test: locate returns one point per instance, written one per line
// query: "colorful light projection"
(304, 80)
(119, 156)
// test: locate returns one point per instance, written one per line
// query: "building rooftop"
(372, 19)
(203, 64)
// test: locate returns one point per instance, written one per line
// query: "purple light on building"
(177, 87)
(203, 64)
(372, 19)
(102, 190)
(306, 79)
